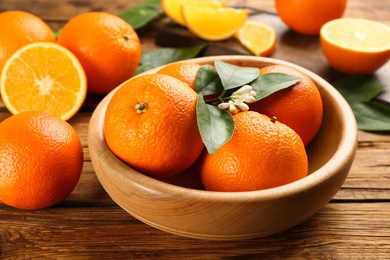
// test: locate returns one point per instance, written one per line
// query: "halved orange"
(213, 24)
(43, 76)
(258, 37)
(354, 45)
(172, 8)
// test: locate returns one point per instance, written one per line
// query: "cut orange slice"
(258, 37)
(354, 45)
(213, 24)
(172, 8)
(43, 76)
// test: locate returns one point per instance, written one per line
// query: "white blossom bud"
(249, 99)
(233, 109)
(223, 105)
(242, 106)
(241, 98)
(243, 90)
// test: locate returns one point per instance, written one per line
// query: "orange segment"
(172, 8)
(355, 46)
(258, 37)
(213, 24)
(43, 77)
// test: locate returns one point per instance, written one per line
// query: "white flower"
(225, 105)
(243, 90)
(242, 106)
(239, 100)
(233, 109)
(244, 94)
(230, 106)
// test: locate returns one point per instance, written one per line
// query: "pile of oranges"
(151, 124)
(350, 45)
(154, 115)
(44, 82)
(61, 71)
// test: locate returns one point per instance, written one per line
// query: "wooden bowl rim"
(347, 148)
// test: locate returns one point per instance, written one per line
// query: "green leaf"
(216, 126)
(142, 14)
(358, 88)
(233, 76)
(372, 116)
(269, 83)
(56, 33)
(207, 81)
(162, 56)
(359, 92)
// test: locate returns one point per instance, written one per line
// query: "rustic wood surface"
(89, 225)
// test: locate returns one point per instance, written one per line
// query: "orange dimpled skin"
(18, 28)
(299, 107)
(150, 124)
(41, 159)
(261, 154)
(308, 16)
(108, 48)
(186, 72)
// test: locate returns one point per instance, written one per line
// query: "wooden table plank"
(339, 231)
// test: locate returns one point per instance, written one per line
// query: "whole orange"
(41, 159)
(307, 16)
(151, 125)
(184, 71)
(108, 48)
(261, 154)
(19, 28)
(299, 106)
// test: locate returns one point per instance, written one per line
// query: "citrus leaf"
(359, 92)
(216, 126)
(269, 83)
(56, 33)
(372, 116)
(233, 76)
(142, 14)
(207, 81)
(358, 88)
(162, 56)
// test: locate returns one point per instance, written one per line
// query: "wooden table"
(88, 224)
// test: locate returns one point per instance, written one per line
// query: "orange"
(355, 46)
(173, 8)
(19, 28)
(299, 106)
(41, 159)
(258, 37)
(307, 17)
(184, 71)
(213, 24)
(108, 48)
(151, 125)
(261, 154)
(43, 76)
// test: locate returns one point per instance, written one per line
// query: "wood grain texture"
(339, 231)
(89, 225)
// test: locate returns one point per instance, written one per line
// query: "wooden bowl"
(181, 206)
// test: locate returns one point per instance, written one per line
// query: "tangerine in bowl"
(181, 205)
